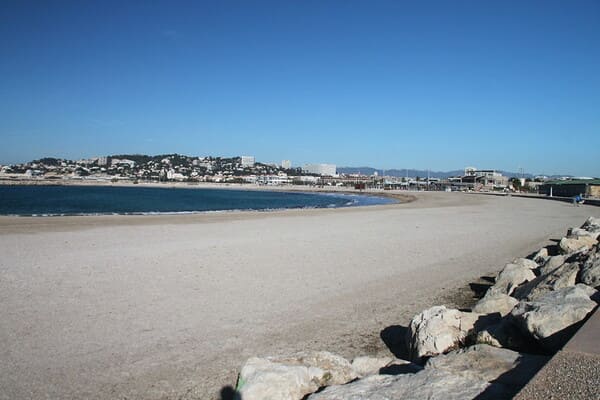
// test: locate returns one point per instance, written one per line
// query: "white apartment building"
(280, 179)
(247, 161)
(175, 176)
(286, 164)
(101, 161)
(320, 169)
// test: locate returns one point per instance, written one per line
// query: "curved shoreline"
(398, 198)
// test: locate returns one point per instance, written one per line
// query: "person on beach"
(577, 200)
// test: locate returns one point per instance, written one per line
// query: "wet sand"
(153, 307)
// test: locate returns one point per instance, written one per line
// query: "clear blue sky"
(388, 84)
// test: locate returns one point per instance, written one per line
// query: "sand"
(153, 307)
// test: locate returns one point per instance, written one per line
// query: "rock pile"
(533, 308)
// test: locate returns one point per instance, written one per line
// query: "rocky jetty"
(529, 313)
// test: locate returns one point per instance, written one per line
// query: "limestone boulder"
(491, 364)
(591, 224)
(569, 245)
(541, 256)
(550, 319)
(437, 330)
(590, 272)
(261, 379)
(552, 263)
(525, 262)
(489, 337)
(495, 302)
(428, 384)
(579, 232)
(292, 377)
(506, 334)
(338, 369)
(510, 277)
(562, 277)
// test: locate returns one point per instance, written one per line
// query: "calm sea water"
(85, 200)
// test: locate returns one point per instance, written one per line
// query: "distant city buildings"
(484, 178)
(247, 161)
(122, 162)
(320, 169)
(138, 168)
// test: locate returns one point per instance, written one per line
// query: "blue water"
(90, 200)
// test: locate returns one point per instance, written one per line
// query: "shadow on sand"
(229, 393)
(394, 338)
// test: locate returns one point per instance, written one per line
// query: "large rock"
(293, 377)
(495, 302)
(552, 263)
(338, 369)
(541, 256)
(579, 232)
(505, 334)
(261, 379)
(570, 245)
(590, 272)
(510, 277)
(365, 366)
(428, 384)
(489, 364)
(437, 330)
(551, 318)
(525, 262)
(562, 277)
(591, 224)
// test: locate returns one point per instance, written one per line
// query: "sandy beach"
(169, 307)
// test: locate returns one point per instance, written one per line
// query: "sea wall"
(491, 351)
(588, 201)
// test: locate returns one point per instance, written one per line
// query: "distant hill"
(414, 172)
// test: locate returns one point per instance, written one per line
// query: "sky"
(434, 85)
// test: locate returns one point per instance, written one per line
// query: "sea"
(39, 200)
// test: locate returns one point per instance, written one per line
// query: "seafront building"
(569, 188)
(481, 179)
(274, 180)
(175, 176)
(320, 169)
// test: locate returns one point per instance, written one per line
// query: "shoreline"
(399, 197)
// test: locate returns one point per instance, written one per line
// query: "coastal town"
(135, 168)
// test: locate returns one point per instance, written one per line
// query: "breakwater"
(534, 306)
